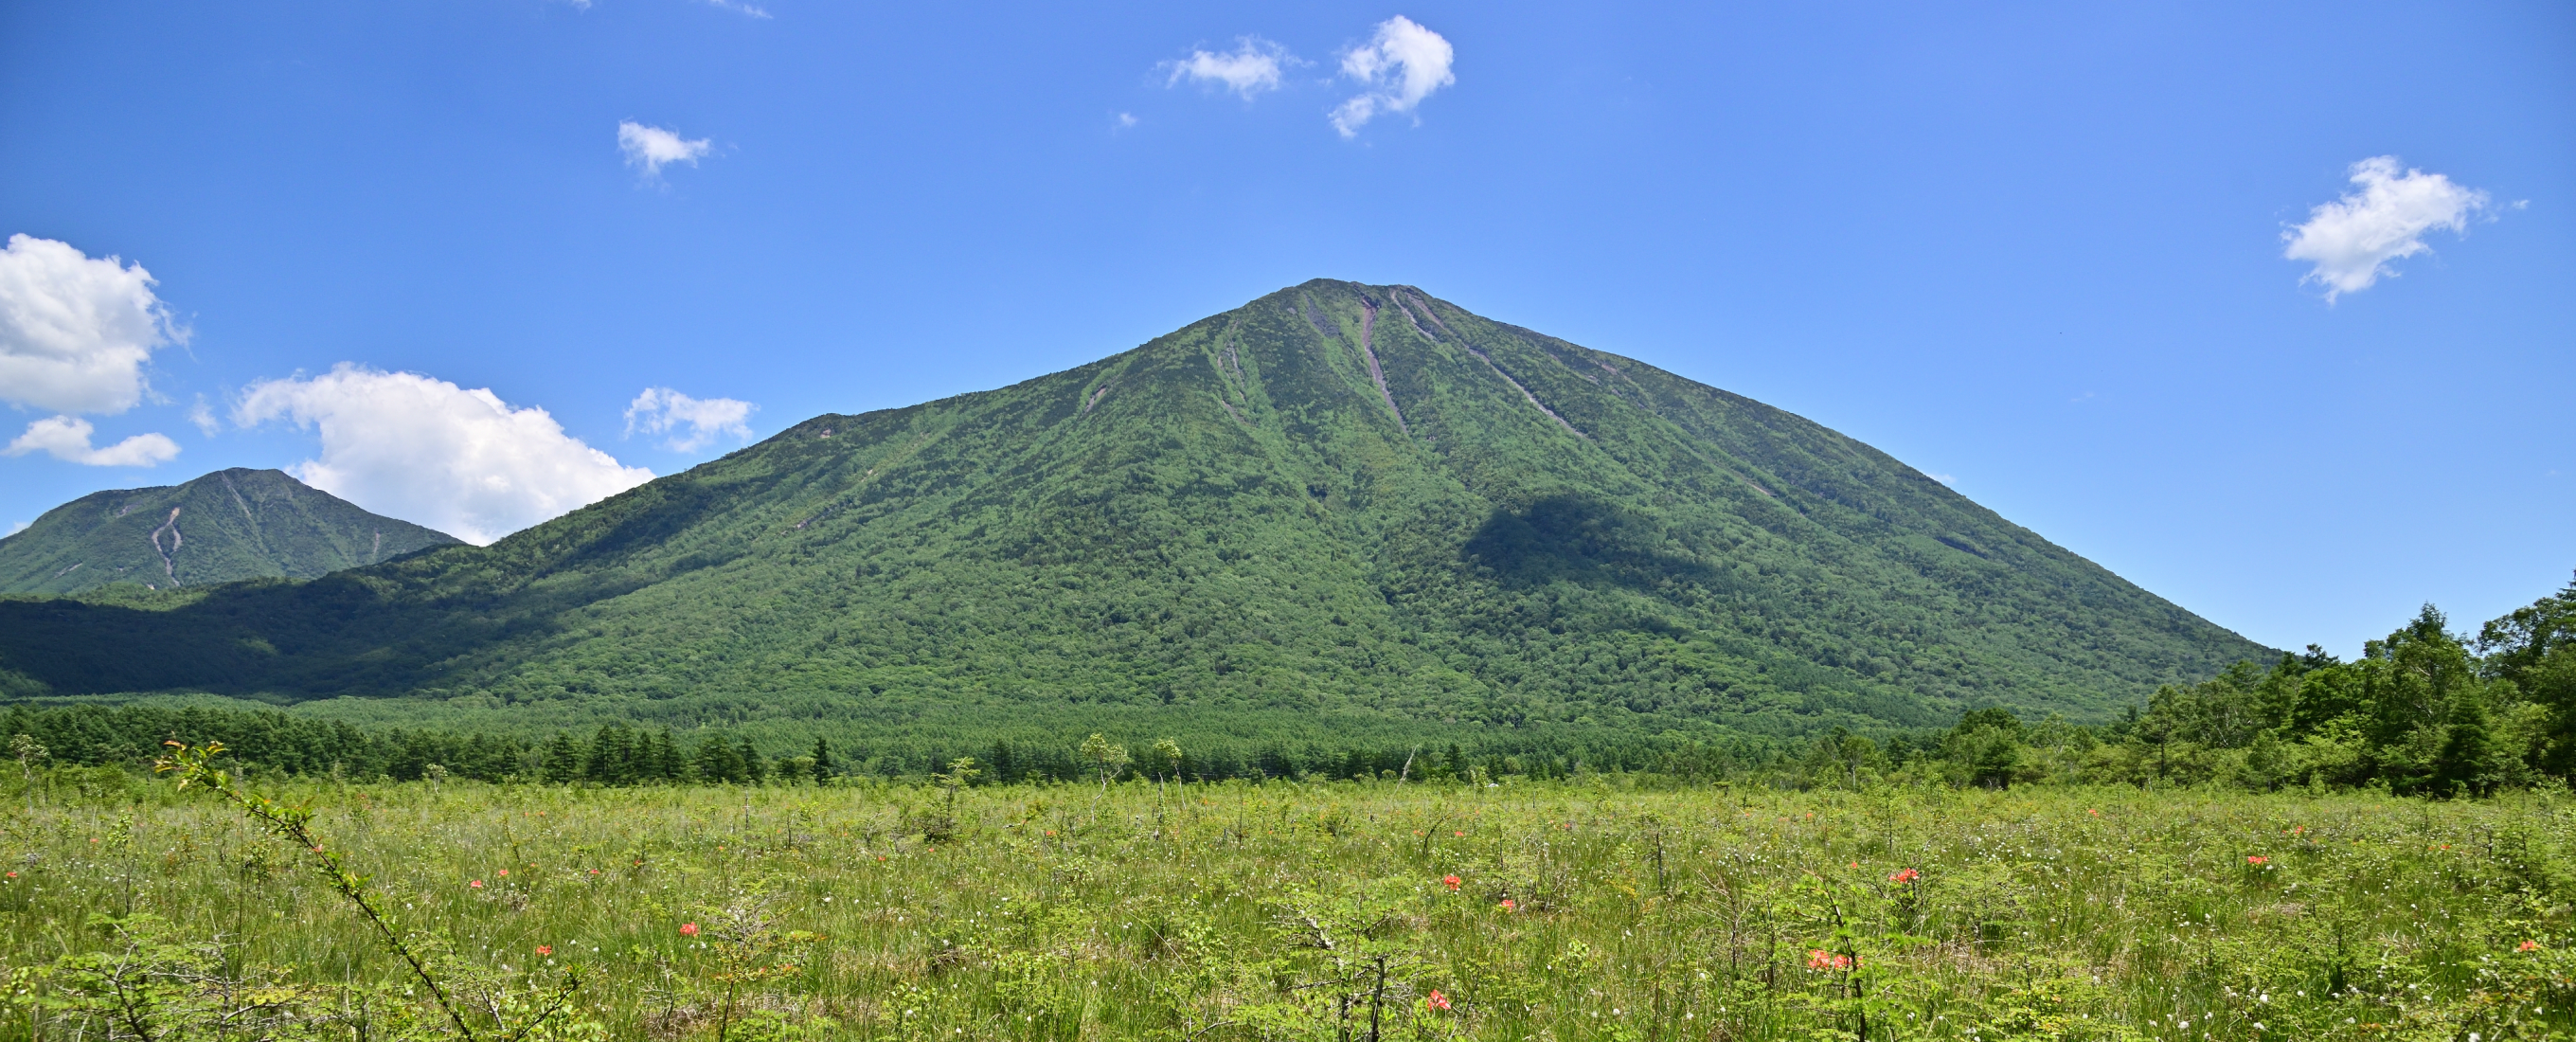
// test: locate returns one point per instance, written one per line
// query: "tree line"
(2424, 711)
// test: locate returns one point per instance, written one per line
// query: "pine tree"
(823, 767)
(562, 763)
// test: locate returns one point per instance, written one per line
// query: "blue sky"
(2036, 249)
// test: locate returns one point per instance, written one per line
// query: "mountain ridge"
(1337, 498)
(222, 526)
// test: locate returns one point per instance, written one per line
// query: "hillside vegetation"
(225, 526)
(1340, 507)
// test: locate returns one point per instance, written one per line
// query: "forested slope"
(225, 526)
(1336, 499)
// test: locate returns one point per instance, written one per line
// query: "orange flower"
(1437, 1000)
(1452, 881)
(1905, 876)
(2527, 946)
(545, 949)
(1508, 905)
(688, 929)
(2257, 859)
(1821, 960)
(477, 884)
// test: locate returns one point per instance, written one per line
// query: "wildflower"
(477, 884)
(594, 871)
(1508, 905)
(1905, 876)
(1821, 960)
(545, 949)
(505, 871)
(2526, 946)
(688, 929)
(2257, 859)
(1452, 881)
(1460, 832)
(1437, 1000)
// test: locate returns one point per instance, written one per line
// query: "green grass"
(1063, 912)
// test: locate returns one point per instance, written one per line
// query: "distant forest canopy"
(2425, 711)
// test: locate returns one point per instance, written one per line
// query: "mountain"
(1339, 506)
(228, 525)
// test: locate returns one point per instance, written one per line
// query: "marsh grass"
(1317, 911)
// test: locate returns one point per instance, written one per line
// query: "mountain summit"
(1337, 499)
(228, 525)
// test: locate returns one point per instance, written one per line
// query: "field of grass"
(1599, 908)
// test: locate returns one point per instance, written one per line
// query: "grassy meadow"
(1607, 907)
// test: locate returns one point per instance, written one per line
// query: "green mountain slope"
(1347, 500)
(228, 525)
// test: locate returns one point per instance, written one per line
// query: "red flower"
(2257, 859)
(1905, 876)
(505, 871)
(1452, 881)
(1508, 905)
(1437, 1000)
(477, 884)
(13, 875)
(2526, 946)
(1821, 960)
(545, 949)
(688, 929)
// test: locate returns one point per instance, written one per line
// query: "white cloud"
(16, 527)
(75, 332)
(652, 148)
(661, 409)
(752, 10)
(2352, 239)
(203, 415)
(66, 438)
(428, 451)
(1401, 66)
(1126, 120)
(1252, 68)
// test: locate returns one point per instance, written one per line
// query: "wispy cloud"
(740, 8)
(661, 409)
(66, 438)
(1399, 67)
(651, 148)
(1251, 68)
(2352, 239)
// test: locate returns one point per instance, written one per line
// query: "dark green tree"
(562, 763)
(823, 766)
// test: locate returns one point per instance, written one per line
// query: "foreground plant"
(502, 1015)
